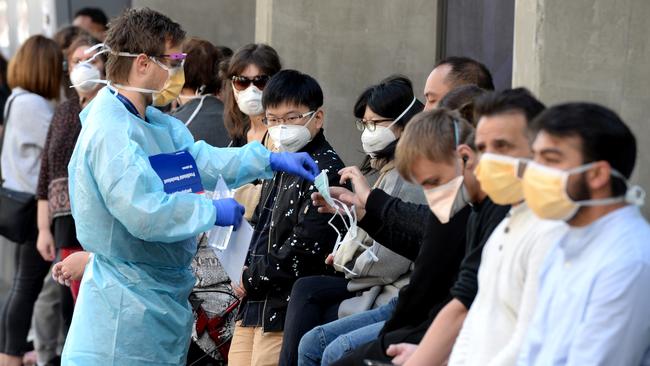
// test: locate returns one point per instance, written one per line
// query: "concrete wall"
(349, 45)
(222, 22)
(590, 50)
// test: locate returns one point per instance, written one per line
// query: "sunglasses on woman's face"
(242, 82)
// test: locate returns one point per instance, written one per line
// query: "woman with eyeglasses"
(373, 274)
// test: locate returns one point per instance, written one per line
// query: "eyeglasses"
(242, 82)
(289, 120)
(370, 124)
(177, 59)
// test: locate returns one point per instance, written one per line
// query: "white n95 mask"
(249, 100)
(377, 140)
(291, 138)
(83, 77)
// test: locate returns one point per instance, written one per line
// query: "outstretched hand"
(300, 164)
(359, 182)
(343, 195)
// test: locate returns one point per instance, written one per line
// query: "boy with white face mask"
(435, 152)
(593, 297)
(291, 239)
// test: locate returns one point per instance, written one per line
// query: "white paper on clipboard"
(233, 258)
(230, 246)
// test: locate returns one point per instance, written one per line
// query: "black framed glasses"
(242, 82)
(370, 124)
(288, 120)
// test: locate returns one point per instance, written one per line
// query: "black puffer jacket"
(297, 244)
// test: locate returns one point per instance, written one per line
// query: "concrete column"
(349, 45)
(222, 22)
(589, 50)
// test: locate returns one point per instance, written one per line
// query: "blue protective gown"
(133, 306)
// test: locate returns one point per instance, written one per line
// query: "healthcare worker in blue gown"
(141, 222)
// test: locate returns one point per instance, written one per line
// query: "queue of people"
(497, 230)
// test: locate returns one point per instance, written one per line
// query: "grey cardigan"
(378, 282)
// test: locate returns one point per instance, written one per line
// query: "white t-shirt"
(26, 129)
(496, 324)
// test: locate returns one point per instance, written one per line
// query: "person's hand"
(300, 164)
(229, 212)
(329, 260)
(345, 196)
(45, 245)
(240, 291)
(401, 352)
(359, 183)
(70, 269)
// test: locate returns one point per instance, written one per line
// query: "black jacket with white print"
(291, 240)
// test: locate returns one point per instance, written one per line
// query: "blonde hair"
(37, 67)
(433, 135)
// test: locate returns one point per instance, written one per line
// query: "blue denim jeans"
(327, 343)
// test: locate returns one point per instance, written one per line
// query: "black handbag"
(17, 209)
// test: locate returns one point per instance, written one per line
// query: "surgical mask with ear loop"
(377, 140)
(545, 192)
(346, 247)
(500, 178)
(448, 199)
(160, 98)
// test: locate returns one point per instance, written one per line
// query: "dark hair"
(3, 71)
(267, 60)
(226, 52)
(66, 35)
(465, 70)
(463, 99)
(83, 40)
(138, 31)
(293, 87)
(389, 99)
(202, 65)
(97, 15)
(509, 100)
(603, 134)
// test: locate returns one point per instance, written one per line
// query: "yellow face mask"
(173, 86)
(500, 178)
(545, 192)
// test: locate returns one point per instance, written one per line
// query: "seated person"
(291, 239)
(593, 298)
(373, 274)
(435, 151)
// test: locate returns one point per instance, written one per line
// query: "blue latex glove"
(300, 164)
(229, 212)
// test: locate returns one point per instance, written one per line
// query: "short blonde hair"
(432, 135)
(37, 67)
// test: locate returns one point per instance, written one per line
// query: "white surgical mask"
(249, 100)
(83, 75)
(377, 140)
(291, 138)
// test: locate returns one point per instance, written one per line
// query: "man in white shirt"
(594, 285)
(508, 276)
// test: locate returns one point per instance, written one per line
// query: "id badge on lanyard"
(178, 172)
